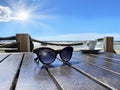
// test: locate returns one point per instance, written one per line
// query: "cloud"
(5, 14)
(82, 36)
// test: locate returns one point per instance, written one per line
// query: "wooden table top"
(18, 71)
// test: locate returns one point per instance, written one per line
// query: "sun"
(22, 15)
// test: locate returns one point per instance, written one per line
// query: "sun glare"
(22, 15)
(21, 12)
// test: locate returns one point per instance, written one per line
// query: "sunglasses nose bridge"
(58, 51)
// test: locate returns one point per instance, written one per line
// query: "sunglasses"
(47, 55)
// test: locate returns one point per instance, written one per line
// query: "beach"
(99, 45)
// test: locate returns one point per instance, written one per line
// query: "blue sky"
(61, 19)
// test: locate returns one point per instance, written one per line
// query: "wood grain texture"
(70, 79)
(106, 77)
(8, 71)
(109, 58)
(112, 56)
(33, 76)
(24, 42)
(83, 72)
(101, 62)
(108, 44)
(3, 56)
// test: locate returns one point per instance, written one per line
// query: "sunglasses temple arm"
(36, 58)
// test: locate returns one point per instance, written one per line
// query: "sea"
(99, 45)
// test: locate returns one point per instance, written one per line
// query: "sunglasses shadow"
(74, 62)
(43, 65)
(70, 63)
(54, 65)
(47, 66)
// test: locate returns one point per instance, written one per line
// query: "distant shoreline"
(76, 48)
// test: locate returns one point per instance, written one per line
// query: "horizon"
(64, 20)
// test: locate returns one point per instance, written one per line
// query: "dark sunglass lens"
(66, 53)
(47, 56)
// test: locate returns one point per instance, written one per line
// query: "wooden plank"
(113, 56)
(33, 76)
(110, 58)
(103, 76)
(8, 71)
(24, 42)
(3, 56)
(108, 44)
(101, 63)
(70, 79)
(106, 77)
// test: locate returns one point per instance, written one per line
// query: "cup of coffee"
(89, 45)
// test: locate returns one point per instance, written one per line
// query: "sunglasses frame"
(37, 50)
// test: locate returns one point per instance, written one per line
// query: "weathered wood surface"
(108, 44)
(110, 56)
(33, 76)
(58, 76)
(3, 56)
(83, 72)
(95, 68)
(103, 63)
(70, 79)
(8, 71)
(24, 42)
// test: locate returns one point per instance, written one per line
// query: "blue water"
(99, 45)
